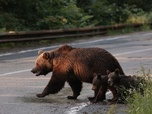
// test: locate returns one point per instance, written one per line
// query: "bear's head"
(99, 81)
(43, 63)
(113, 77)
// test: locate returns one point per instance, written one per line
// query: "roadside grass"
(140, 104)
(140, 17)
(112, 109)
(137, 103)
(126, 30)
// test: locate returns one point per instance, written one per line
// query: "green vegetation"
(142, 104)
(137, 103)
(126, 30)
(27, 15)
(112, 109)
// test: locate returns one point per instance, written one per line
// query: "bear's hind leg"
(76, 86)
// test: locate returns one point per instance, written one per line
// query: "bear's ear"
(99, 76)
(117, 71)
(46, 55)
(51, 55)
(108, 72)
(94, 75)
(39, 52)
(66, 47)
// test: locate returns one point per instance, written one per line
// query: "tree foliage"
(27, 15)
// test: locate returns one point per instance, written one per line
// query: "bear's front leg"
(95, 94)
(114, 92)
(91, 98)
(100, 96)
(45, 92)
(55, 84)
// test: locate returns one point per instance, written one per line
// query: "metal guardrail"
(65, 33)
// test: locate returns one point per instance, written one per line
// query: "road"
(18, 86)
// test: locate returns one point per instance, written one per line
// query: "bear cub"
(100, 87)
(125, 85)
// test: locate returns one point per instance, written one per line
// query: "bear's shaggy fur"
(125, 85)
(100, 86)
(74, 65)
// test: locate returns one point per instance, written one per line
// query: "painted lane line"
(100, 40)
(6, 54)
(31, 50)
(131, 52)
(15, 72)
(44, 48)
(94, 41)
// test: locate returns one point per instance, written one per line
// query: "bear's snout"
(38, 72)
(33, 71)
(110, 82)
(93, 88)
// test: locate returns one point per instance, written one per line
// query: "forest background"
(31, 15)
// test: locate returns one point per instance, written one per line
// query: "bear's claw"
(91, 98)
(71, 97)
(40, 95)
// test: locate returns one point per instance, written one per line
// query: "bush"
(27, 15)
(142, 104)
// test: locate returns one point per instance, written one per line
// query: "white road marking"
(6, 54)
(15, 72)
(80, 106)
(132, 52)
(77, 108)
(108, 39)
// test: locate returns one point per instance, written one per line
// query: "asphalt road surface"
(18, 86)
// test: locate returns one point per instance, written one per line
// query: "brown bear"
(125, 85)
(100, 86)
(74, 65)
